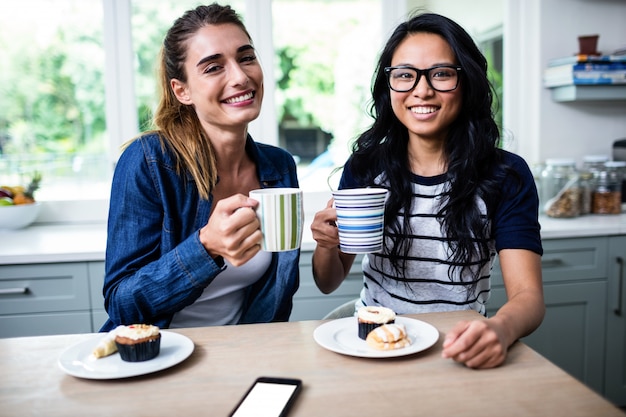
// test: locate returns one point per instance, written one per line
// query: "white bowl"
(18, 216)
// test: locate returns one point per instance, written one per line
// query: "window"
(150, 21)
(323, 80)
(52, 117)
(483, 20)
(77, 81)
(491, 42)
(321, 77)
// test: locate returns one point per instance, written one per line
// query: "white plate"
(342, 336)
(78, 361)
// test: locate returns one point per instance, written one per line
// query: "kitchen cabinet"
(581, 332)
(96, 282)
(310, 303)
(615, 386)
(67, 297)
(45, 299)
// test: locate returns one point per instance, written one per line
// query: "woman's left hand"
(477, 344)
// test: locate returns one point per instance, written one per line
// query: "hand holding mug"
(324, 227)
(233, 230)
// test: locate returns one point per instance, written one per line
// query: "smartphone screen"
(268, 397)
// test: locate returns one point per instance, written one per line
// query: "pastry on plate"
(388, 337)
(370, 317)
(138, 342)
(106, 346)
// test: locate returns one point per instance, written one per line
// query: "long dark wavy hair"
(471, 151)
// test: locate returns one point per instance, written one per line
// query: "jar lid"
(560, 161)
(595, 158)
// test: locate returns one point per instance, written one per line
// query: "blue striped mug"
(360, 219)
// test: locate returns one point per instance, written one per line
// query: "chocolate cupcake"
(138, 342)
(372, 317)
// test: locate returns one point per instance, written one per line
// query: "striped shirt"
(425, 284)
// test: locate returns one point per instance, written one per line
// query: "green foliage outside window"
(53, 99)
(51, 90)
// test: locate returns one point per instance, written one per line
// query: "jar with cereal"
(607, 195)
(560, 190)
(587, 185)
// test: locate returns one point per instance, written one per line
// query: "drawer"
(306, 261)
(96, 282)
(44, 324)
(43, 288)
(574, 259)
(568, 260)
(316, 308)
(98, 318)
(350, 287)
(310, 303)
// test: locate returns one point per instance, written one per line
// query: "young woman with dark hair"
(456, 200)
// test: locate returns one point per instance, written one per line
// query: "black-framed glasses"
(440, 78)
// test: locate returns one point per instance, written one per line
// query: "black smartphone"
(268, 397)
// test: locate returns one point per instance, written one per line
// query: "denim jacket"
(155, 263)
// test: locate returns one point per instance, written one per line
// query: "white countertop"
(583, 226)
(43, 243)
(53, 243)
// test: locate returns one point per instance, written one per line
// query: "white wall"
(535, 32)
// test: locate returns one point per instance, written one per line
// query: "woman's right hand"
(324, 227)
(233, 230)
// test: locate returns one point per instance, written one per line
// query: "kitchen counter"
(583, 226)
(49, 243)
(42, 243)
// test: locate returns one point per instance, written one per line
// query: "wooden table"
(226, 360)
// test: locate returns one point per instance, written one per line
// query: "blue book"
(579, 58)
(583, 67)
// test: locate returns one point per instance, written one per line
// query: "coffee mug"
(360, 219)
(281, 215)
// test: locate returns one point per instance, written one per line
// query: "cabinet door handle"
(551, 262)
(620, 286)
(13, 291)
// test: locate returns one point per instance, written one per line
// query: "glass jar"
(594, 163)
(587, 185)
(560, 190)
(621, 168)
(607, 194)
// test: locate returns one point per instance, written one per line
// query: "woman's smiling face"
(426, 113)
(224, 77)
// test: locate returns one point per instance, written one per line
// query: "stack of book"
(586, 70)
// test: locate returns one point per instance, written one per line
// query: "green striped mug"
(281, 215)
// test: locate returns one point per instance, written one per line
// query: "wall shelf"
(568, 93)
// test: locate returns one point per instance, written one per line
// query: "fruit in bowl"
(18, 207)
(18, 216)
